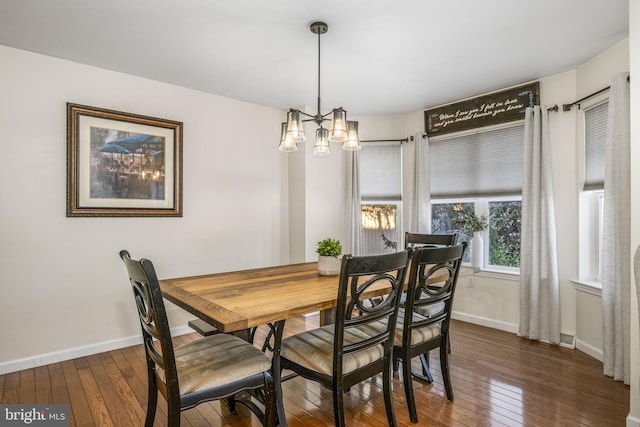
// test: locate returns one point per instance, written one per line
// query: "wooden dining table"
(241, 300)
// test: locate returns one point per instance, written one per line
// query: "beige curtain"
(616, 245)
(539, 288)
(420, 214)
(352, 211)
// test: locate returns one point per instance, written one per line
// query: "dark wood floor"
(498, 380)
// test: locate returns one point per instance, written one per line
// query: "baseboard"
(592, 351)
(74, 353)
(633, 421)
(483, 321)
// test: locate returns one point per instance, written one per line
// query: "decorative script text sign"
(495, 108)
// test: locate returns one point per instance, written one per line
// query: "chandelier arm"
(306, 114)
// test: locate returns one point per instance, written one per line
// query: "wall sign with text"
(495, 108)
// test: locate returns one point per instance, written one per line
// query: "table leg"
(277, 372)
(327, 317)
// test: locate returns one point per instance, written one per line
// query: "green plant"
(471, 223)
(329, 247)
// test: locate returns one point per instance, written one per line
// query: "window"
(504, 232)
(380, 168)
(502, 247)
(591, 221)
(480, 171)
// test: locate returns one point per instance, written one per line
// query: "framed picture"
(122, 164)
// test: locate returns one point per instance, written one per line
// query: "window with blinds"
(380, 168)
(380, 172)
(481, 164)
(595, 138)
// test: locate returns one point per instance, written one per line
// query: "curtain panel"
(616, 245)
(352, 212)
(420, 198)
(539, 287)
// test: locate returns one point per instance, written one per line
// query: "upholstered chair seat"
(418, 335)
(314, 349)
(217, 360)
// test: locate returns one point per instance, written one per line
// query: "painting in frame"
(122, 164)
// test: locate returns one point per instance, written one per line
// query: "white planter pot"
(477, 251)
(328, 265)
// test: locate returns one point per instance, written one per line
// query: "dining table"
(239, 300)
(242, 300)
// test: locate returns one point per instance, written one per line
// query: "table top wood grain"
(238, 300)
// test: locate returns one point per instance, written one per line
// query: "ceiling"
(378, 57)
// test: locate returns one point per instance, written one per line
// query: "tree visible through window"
(503, 231)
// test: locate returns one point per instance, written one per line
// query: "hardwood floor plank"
(95, 398)
(59, 390)
(43, 385)
(123, 397)
(27, 386)
(79, 404)
(11, 388)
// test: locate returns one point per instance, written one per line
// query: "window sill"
(590, 287)
(496, 274)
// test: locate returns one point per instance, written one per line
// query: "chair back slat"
(360, 275)
(432, 299)
(412, 240)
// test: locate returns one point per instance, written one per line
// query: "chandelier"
(340, 130)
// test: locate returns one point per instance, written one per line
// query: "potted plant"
(472, 225)
(329, 251)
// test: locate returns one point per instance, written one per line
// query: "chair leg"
(152, 403)
(407, 379)
(231, 403)
(444, 367)
(338, 406)
(396, 363)
(173, 417)
(269, 403)
(388, 394)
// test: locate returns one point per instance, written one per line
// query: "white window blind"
(482, 164)
(595, 139)
(380, 172)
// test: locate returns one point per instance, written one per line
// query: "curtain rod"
(567, 107)
(401, 141)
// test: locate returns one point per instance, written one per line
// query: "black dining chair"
(211, 368)
(415, 240)
(359, 345)
(432, 282)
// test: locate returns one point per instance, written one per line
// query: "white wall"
(62, 284)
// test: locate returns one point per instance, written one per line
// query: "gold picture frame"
(122, 165)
